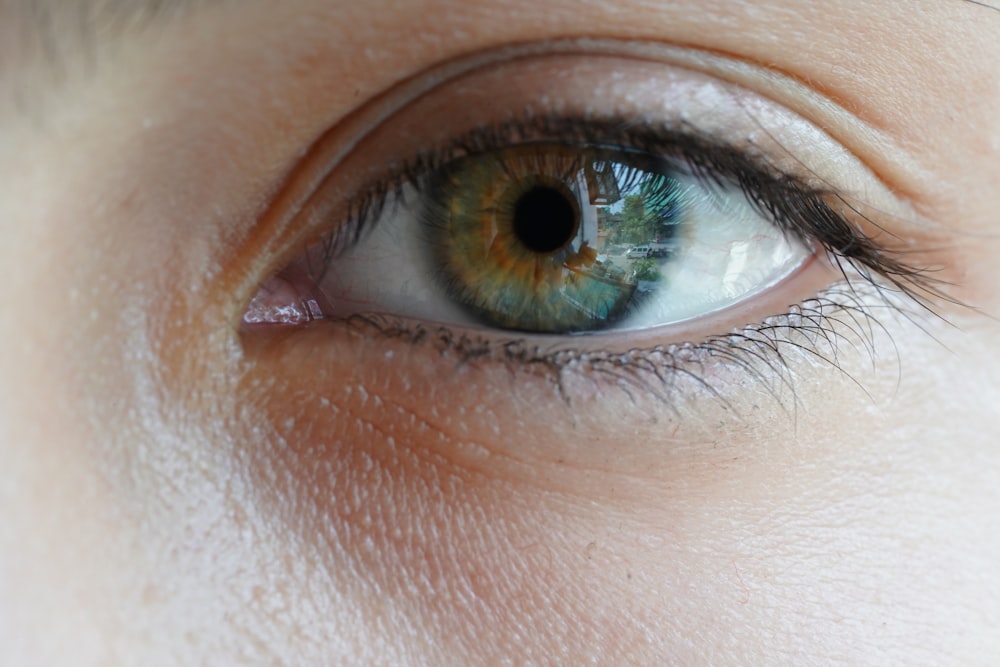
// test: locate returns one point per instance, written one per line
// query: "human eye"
(512, 222)
(553, 238)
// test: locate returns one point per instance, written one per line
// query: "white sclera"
(727, 254)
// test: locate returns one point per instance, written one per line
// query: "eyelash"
(758, 350)
(802, 211)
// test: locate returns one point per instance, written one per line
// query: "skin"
(176, 491)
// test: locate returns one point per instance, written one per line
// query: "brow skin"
(53, 27)
(46, 42)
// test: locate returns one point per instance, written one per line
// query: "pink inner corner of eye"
(278, 301)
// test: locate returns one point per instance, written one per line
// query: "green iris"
(552, 238)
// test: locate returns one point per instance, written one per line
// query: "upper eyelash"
(803, 211)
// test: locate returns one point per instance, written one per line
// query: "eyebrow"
(97, 15)
(55, 31)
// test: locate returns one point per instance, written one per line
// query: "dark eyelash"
(803, 211)
(760, 350)
(812, 213)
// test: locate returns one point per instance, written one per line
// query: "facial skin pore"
(176, 490)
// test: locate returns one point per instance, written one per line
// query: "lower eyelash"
(817, 328)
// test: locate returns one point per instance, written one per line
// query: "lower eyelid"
(485, 392)
(811, 278)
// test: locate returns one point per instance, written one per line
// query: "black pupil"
(544, 219)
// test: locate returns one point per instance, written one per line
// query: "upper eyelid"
(301, 209)
(339, 141)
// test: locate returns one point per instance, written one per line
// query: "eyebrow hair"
(82, 16)
(55, 31)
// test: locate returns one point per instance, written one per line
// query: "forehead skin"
(154, 510)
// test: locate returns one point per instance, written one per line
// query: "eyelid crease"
(292, 213)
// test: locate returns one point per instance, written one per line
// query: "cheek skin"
(458, 507)
(472, 560)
